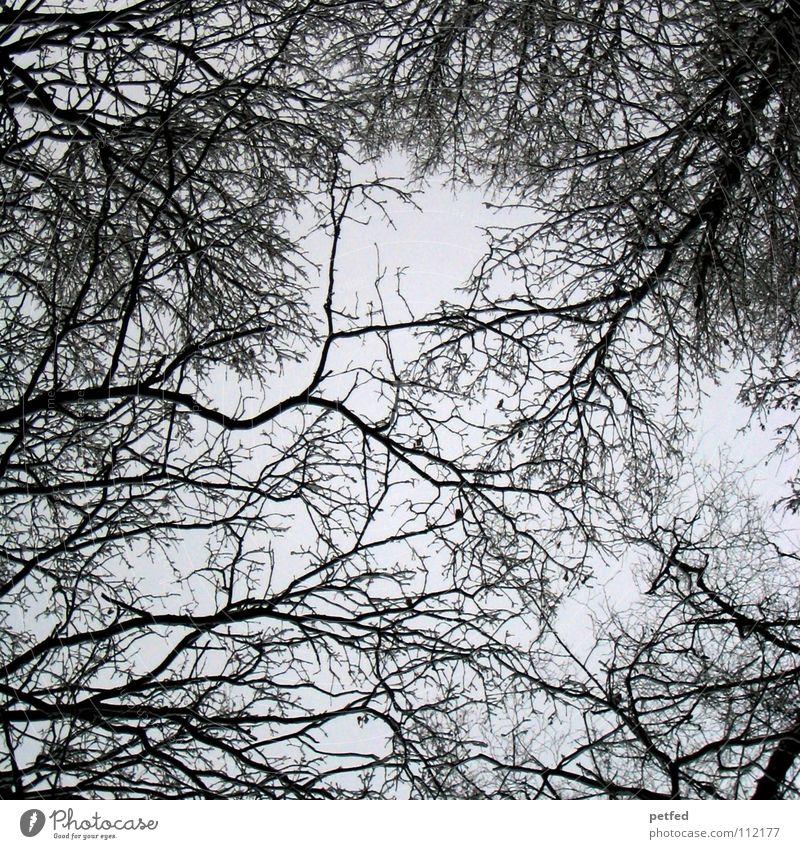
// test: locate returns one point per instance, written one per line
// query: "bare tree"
(216, 580)
(689, 694)
(656, 148)
(264, 539)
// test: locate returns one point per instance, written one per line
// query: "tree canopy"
(266, 537)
